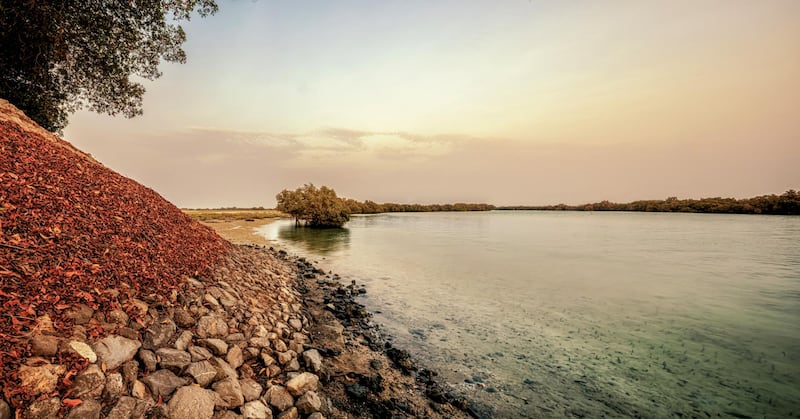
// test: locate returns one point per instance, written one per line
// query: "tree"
(317, 207)
(57, 57)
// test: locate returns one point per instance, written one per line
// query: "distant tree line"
(786, 204)
(370, 207)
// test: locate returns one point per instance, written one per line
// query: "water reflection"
(316, 240)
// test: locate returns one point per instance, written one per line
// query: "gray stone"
(290, 413)
(256, 410)
(123, 409)
(149, 359)
(83, 350)
(159, 334)
(279, 346)
(309, 403)
(5, 410)
(130, 372)
(183, 318)
(313, 360)
(279, 398)
(173, 359)
(184, 340)
(163, 382)
(251, 390)
(43, 409)
(192, 402)
(44, 345)
(212, 327)
(113, 350)
(199, 353)
(302, 383)
(202, 372)
(88, 409)
(89, 383)
(216, 346)
(230, 391)
(81, 313)
(224, 370)
(235, 357)
(118, 316)
(296, 324)
(115, 387)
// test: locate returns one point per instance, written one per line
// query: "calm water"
(552, 314)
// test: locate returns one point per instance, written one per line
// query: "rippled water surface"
(553, 314)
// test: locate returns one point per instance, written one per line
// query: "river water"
(584, 314)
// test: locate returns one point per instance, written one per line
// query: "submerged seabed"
(586, 314)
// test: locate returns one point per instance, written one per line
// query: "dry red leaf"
(71, 229)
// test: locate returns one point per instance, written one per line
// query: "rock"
(251, 390)
(302, 383)
(256, 410)
(293, 365)
(202, 372)
(267, 359)
(224, 370)
(279, 398)
(83, 350)
(296, 324)
(259, 342)
(212, 327)
(309, 403)
(123, 409)
(226, 414)
(216, 346)
(44, 345)
(5, 410)
(184, 340)
(118, 316)
(192, 402)
(115, 387)
(313, 360)
(41, 378)
(235, 338)
(163, 382)
(290, 413)
(159, 334)
(235, 357)
(149, 359)
(113, 350)
(211, 301)
(357, 391)
(286, 357)
(139, 390)
(88, 409)
(129, 333)
(43, 409)
(80, 313)
(90, 383)
(316, 415)
(230, 391)
(173, 359)
(199, 353)
(183, 318)
(279, 346)
(130, 371)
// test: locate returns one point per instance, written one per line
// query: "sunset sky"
(505, 102)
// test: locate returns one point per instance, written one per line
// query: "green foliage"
(317, 207)
(60, 56)
(786, 204)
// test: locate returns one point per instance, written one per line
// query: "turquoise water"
(578, 314)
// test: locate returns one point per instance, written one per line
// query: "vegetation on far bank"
(233, 214)
(786, 204)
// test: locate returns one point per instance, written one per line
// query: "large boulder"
(114, 350)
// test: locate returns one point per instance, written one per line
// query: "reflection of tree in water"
(317, 240)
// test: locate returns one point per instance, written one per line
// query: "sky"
(507, 102)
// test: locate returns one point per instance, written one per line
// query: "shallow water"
(561, 314)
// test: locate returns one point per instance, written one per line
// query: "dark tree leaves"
(60, 56)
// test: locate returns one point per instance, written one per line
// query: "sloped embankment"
(75, 235)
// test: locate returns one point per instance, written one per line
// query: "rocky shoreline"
(266, 335)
